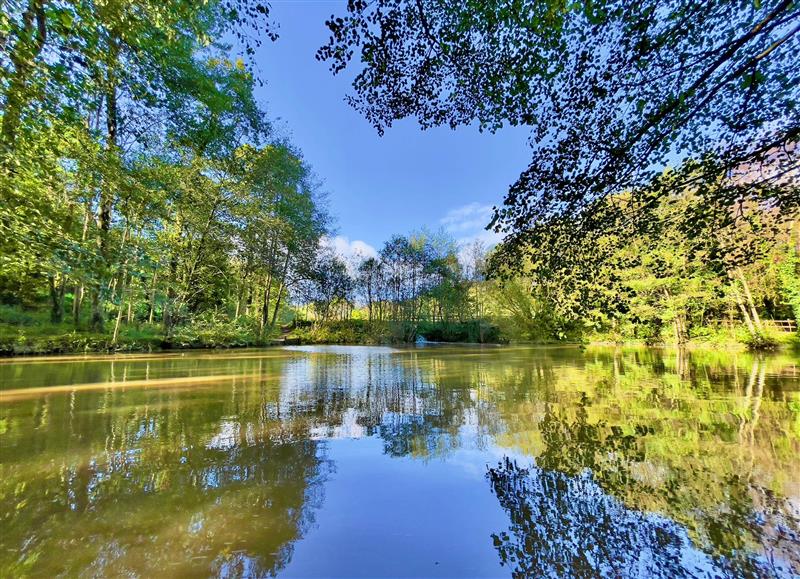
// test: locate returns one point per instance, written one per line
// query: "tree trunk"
(106, 195)
(280, 289)
(265, 308)
(77, 300)
(753, 311)
(239, 297)
(57, 292)
(124, 285)
(119, 318)
(745, 315)
(152, 308)
(249, 301)
(169, 305)
(277, 306)
(96, 321)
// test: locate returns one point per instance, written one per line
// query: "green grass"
(31, 332)
(24, 332)
(62, 338)
(364, 332)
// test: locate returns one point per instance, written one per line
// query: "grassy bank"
(708, 337)
(364, 332)
(31, 333)
(23, 333)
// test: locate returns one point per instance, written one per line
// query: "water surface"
(429, 461)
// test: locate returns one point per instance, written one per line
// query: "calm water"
(434, 461)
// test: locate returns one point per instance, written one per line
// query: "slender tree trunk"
(57, 293)
(680, 335)
(96, 320)
(684, 331)
(242, 291)
(77, 300)
(106, 195)
(265, 308)
(77, 303)
(170, 312)
(152, 308)
(745, 314)
(268, 288)
(281, 291)
(249, 301)
(169, 305)
(753, 311)
(124, 287)
(239, 297)
(118, 320)
(124, 291)
(280, 288)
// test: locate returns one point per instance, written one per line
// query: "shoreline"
(44, 349)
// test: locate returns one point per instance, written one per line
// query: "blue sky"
(377, 186)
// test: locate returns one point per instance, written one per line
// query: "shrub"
(469, 332)
(760, 341)
(16, 316)
(342, 332)
(213, 330)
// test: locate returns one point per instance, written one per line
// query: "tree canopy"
(613, 92)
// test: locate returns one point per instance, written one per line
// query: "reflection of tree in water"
(581, 511)
(232, 512)
(564, 526)
(421, 405)
(149, 483)
(400, 400)
(224, 479)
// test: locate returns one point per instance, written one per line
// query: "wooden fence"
(782, 325)
(787, 326)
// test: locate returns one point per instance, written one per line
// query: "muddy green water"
(429, 461)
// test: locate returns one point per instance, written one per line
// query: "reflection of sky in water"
(339, 461)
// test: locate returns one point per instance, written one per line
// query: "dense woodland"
(141, 181)
(147, 201)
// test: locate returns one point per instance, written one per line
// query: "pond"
(423, 461)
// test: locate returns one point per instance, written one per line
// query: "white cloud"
(467, 218)
(352, 252)
(467, 224)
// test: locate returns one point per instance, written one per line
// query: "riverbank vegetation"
(148, 203)
(143, 188)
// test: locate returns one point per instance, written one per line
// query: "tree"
(370, 277)
(329, 287)
(137, 168)
(120, 76)
(612, 90)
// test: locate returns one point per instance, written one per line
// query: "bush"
(468, 332)
(17, 316)
(24, 343)
(760, 341)
(341, 332)
(213, 330)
